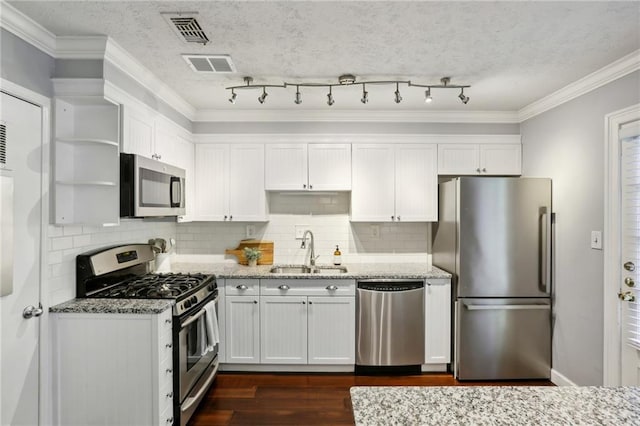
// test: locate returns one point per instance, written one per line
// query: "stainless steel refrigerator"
(494, 236)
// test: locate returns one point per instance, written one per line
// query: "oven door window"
(155, 188)
(196, 343)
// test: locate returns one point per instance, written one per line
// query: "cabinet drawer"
(242, 287)
(307, 287)
(165, 322)
(437, 281)
(165, 403)
(165, 372)
(166, 416)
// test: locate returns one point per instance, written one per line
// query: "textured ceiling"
(512, 53)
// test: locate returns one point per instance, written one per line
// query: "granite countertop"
(495, 405)
(113, 306)
(355, 271)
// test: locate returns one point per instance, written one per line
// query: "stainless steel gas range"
(124, 272)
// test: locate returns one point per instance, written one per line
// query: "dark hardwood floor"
(303, 399)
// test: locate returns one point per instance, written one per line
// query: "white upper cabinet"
(230, 183)
(394, 183)
(314, 167)
(480, 159)
(137, 132)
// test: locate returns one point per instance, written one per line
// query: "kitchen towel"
(211, 325)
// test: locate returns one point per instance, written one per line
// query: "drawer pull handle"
(283, 287)
(332, 287)
(169, 371)
(242, 287)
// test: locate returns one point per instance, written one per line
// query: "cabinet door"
(437, 322)
(501, 159)
(212, 185)
(285, 167)
(164, 146)
(138, 132)
(283, 330)
(458, 159)
(247, 199)
(373, 186)
(330, 167)
(416, 183)
(242, 329)
(332, 330)
(222, 315)
(184, 158)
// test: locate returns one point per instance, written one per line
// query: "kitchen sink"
(303, 269)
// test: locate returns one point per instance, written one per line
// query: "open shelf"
(87, 141)
(88, 183)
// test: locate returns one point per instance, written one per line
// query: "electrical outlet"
(251, 231)
(596, 240)
(299, 231)
(375, 232)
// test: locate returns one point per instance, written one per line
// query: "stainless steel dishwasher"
(389, 323)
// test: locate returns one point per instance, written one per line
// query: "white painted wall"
(328, 218)
(567, 145)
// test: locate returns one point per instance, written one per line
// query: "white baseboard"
(559, 379)
(285, 368)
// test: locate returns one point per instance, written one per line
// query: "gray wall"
(24, 64)
(567, 145)
(347, 127)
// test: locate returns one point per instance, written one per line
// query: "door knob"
(32, 311)
(627, 296)
(629, 282)
(629, 266)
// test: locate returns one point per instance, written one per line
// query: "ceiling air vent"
(186, 26)
(210, 64)
(3, 144)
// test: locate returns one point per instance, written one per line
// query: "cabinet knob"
(484, 169)
(159, 156)
(242, 287)
(231, 217)
(304, 303)
(168, 345)
(332, 287)
(170, 395)
(392, 217)
(310, 186)
(170, 420)
(225, 217)
(283, 287)
(167, 321)
(398, 217)
(255, 302)
(478, 170)
(304, 185)
(169, 371)
(310, 302)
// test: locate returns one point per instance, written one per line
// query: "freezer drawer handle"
(545, 274)
(506, 307)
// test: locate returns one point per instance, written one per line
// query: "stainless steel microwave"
(150, 188)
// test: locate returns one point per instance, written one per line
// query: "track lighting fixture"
(330, 100)
(462, 96)
(397, 98)
(262, 97)
(298, 99)
(427, 95)
(350, 80)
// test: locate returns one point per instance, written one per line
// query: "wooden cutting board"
(266, 247)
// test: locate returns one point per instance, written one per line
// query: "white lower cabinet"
(112, 369)
(437, 321)
(331, 330)
(242, 321)
(283, 330)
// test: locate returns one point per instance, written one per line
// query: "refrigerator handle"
(545, 264)
(506, 307)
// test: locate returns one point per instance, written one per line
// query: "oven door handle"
(193, 318)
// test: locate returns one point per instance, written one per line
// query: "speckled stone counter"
(495, 405)
(354, 271)
(113, 306)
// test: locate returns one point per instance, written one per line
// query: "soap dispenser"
(337, 256)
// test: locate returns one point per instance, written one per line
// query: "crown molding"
(357, 116)
(16, 22)
(126, 63)
(623, 66)
(81, 47)
(235, 138)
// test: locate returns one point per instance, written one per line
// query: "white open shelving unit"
(86, 161)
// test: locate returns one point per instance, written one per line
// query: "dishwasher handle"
(390, 286)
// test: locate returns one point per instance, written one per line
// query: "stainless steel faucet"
(312, 253)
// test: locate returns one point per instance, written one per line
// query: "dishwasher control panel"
(390, 285)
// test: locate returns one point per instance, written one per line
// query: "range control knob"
(187, 304)
(194, 299)
(211, 287)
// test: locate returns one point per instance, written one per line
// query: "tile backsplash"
(66, 242)
(327, 216)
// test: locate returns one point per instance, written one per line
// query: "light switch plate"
(299, 229)
(375, 232)
(251, 231)
(596, 240)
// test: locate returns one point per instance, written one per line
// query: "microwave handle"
(173, 182)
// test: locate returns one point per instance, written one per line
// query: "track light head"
(233, 97)
(298, 99)
(365, 95)
(330, 100)
(462, 97)
(427, 96)
(398, 98)
(262, 97)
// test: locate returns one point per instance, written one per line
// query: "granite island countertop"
(495, 405)
(354, 271)
(113, 306)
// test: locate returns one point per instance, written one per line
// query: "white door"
(330, 167)
(242, 329)
(373, 183)
(416, 183)
(332, 330)
(501, 159)
(285, 167)
(458, 159)
(247, 199)
(630, 260)
(137, 130)
(211, 182)
(283, 329)
(19, 375)
(437, 316)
